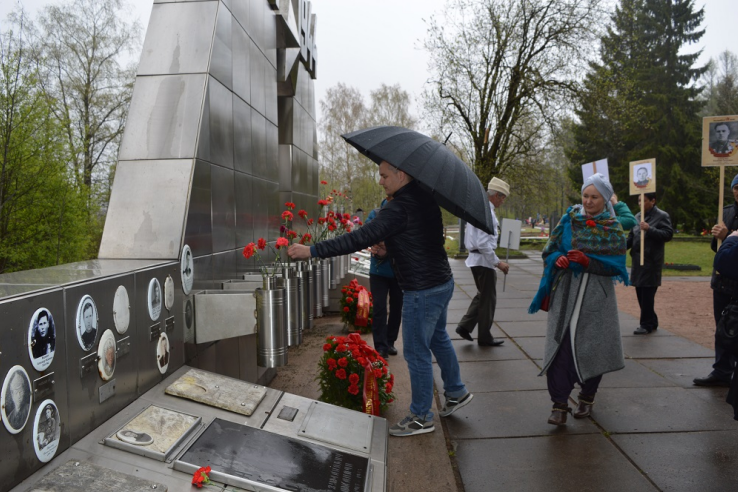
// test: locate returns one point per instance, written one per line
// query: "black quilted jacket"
(412, 229)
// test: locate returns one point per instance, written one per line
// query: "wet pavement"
(650, 428)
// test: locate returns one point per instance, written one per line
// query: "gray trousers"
(482, 308)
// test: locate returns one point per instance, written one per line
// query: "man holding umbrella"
(482, 260)
(412, 230)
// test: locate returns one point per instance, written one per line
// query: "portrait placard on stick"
(720, 148)
(642, 181)
(595, 167)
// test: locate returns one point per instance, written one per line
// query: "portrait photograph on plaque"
(106, 351)
(121, 310)
(720, 141)
(15, 399)
(87, 322)
(643, 176)
(46, 431)
(41, 339)
(155, 432)
(169, 293)
(154, 299)
(186, 270)
(162, 353)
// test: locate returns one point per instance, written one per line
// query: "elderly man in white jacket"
(482, 260)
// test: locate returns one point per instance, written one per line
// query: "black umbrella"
(454, 186)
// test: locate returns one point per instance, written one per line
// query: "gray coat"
(597, 347)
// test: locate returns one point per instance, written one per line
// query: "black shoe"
(384, 355)
(493, 343)
(392, 350)
(464, 334)
(642, 331)
(711, 380)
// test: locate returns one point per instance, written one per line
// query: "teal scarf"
(600, 237)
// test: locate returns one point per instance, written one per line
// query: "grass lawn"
(698, 254)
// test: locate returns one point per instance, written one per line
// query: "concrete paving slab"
(680, 371)
(503, 375)
(523, 328)
(534, 347)
(703, 461)
(456, 304)
(518, 314)
(471, 352)
(629, 410)
(513, 302)
(635, 375)
(648, 347)
(558, 463)
(511, 414)
(513, 294)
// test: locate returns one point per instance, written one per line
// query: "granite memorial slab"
(74, 476)
(218, 391)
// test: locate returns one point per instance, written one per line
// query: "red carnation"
(353, 389)
(248, 250)
(261, 243)
(340, 347)
(349, 300)
(331, 364)
(327, 347)
(377, 373)
(341, 374)
(591, 223)
(354, 378)
(323, 182)
(290, 205)
(282, 241)
(302, 214)
(346, 309)
(287, 215)
(343, 362)
(306, 238)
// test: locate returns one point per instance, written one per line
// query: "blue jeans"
(424, 336)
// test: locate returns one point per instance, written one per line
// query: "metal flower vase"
(270, 325)
(334, 272)
(317, 288)
(305, 273)
(293, 319)
(325, 266)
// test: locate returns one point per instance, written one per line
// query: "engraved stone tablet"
(218, 391)
(154, 432)
(82, 475)
(245, 456)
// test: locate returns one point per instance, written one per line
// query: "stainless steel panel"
(259, 144)
(260, 210)
(269, 24)
(223, 208)
(285, 168)
(243, 160)
(224, 266)
(221, 61)
(203, 141)
(203, 273)
(275, 208)
(270, 94)
(222, 314)
(147, 210)
(241, 60)
(221, 124)
(288, 35)
(18, 457)
(272, 152)
(144, 346)
(247, 359)
(244, 217)
(199, 227)
(227, 362)
(310, 103)
(241, 14)
(256, 21)
(285, 108)
(83, 389)
(178, 38)
(258, 78)
(163, 118)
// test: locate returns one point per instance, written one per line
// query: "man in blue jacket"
(412, 230)
(382, 282)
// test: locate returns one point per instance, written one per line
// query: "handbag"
(726, 334)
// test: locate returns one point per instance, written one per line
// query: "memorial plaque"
(46, 431)
(121, 310)
(246, 457)
(186, 272)
(16, 399)
(154, 299)
(154, 433)
(338, 426)
(82, 475)
(87, 323)
(168, 293)
(107, 355)
(41, 339)
(218, 391)
(43, 387)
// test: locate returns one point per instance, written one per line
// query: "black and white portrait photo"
(642, 175)
(723, 136)
(154, 299)
(46, 431)
(41, 339)
(134, 437)
(106, 351)
(86, 323)
(162, 353)
(16, 399)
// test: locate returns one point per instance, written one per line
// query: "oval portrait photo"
(41, 339)
(15, 399)
(154, 299)
(186, 270)
(121, 310)
(106, 351)
(134, 437)
(86, 323)
(162, 353)
(46, 431)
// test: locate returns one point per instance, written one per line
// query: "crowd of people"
(583, 259)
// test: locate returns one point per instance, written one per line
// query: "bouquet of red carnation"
(353, 375)
(354, 314)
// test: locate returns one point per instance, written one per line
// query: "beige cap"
(497, 184)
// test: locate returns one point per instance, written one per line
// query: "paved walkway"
(651, 429)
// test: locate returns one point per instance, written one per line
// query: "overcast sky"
(364, 43)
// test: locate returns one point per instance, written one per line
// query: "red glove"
(562, 262)
(578, 257)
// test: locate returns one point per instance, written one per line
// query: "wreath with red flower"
(349, 304)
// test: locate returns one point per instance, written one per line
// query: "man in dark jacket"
(646, 278)
(412, 230)
(722, 289)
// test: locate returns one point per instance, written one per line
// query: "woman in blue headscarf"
(583, 257)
